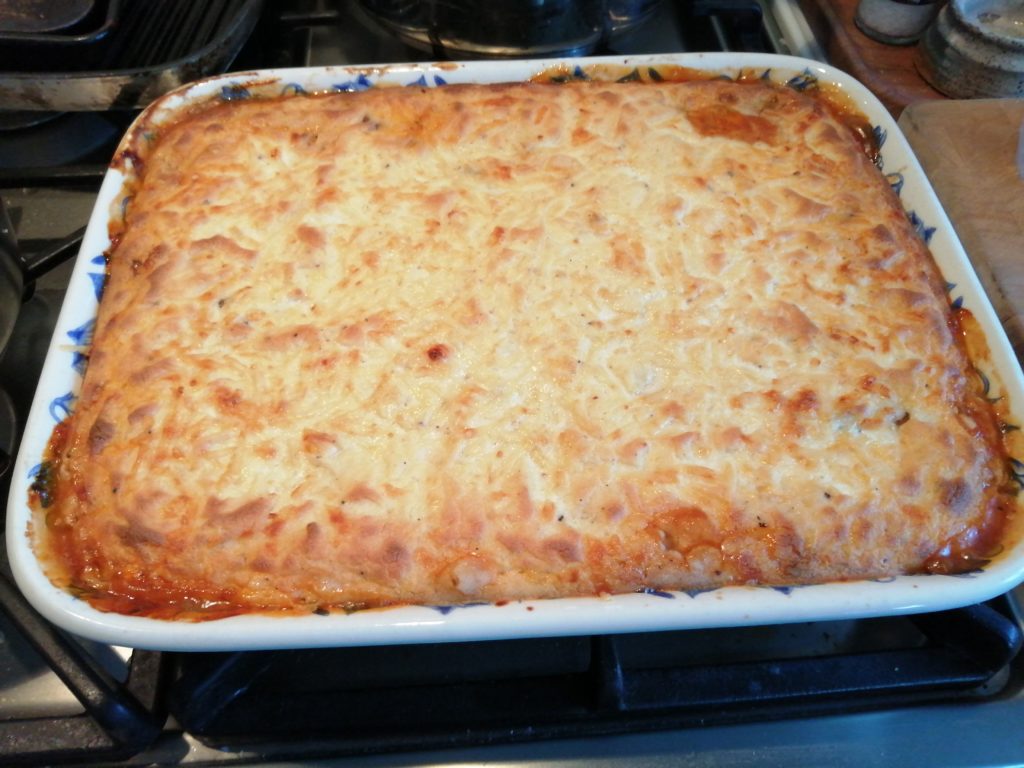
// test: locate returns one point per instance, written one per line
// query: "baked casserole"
(494, 342)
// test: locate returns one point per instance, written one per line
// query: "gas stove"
(944, 688)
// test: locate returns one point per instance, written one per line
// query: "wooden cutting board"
(969, 150)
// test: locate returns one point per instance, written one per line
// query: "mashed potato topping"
(518, 341)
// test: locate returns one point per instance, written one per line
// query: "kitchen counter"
(973, 153)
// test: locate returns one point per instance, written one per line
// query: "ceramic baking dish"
(731, 606)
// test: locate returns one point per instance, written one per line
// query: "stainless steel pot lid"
(508, 28)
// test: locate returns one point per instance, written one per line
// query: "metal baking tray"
(730, 606)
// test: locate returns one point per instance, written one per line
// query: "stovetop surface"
(969, 725)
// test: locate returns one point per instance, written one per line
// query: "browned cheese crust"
(487, 343)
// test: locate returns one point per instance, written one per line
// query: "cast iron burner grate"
(353, 701)
(357, 701)
(119, 719)
(362, 700)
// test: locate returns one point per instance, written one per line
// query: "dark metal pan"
(74, 47)
(154, 48)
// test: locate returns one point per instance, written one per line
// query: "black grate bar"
(703, 687)
(123, 726)
(609, 680)
(982, 633)
(350, 714)
(968, 647)
(87, 176)
(39, 262)
(203, 695)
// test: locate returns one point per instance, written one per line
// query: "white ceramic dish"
(731, 606)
